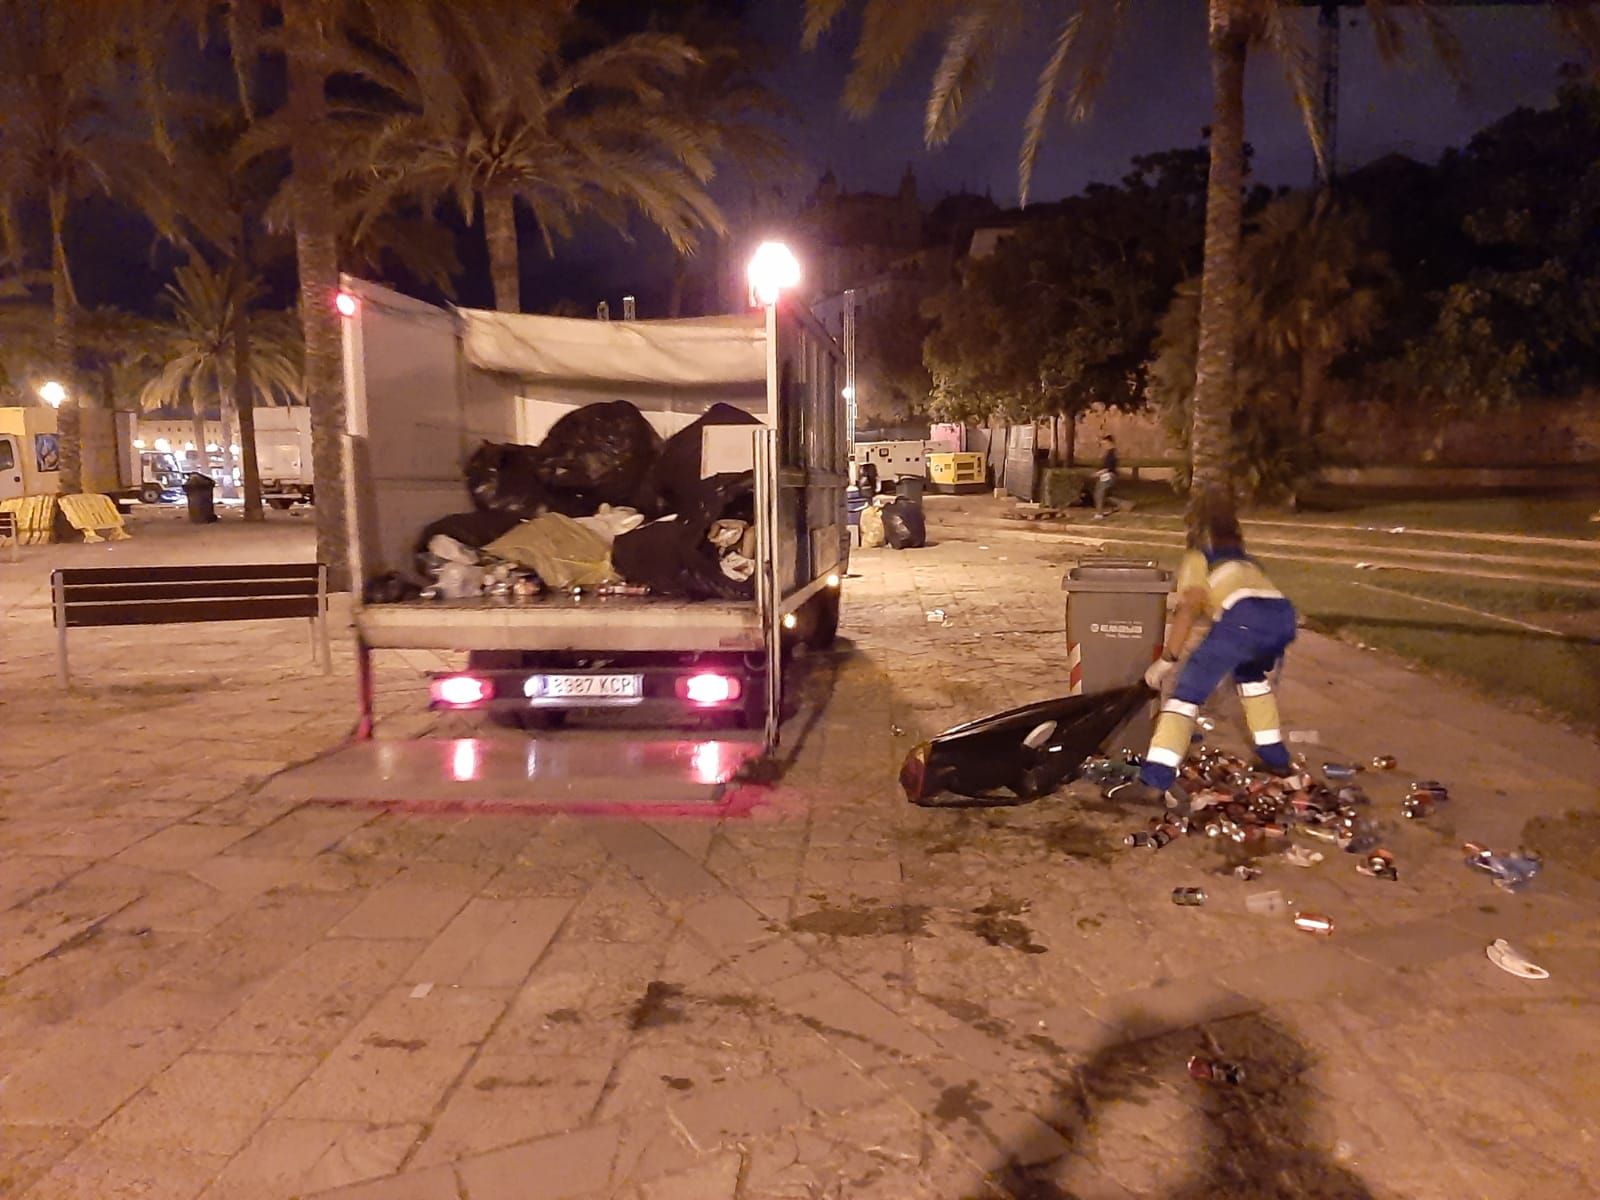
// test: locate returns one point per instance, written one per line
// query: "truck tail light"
(461, 691)
(709, 689)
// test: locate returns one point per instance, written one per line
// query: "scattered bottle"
(1339, 770)
(1380, 865)
(1384, 762)
(1210, 1070)
(1189, 897)
(1510, 871)
(1313, 923)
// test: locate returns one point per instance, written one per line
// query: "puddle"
(908, 919)
(657, 1006)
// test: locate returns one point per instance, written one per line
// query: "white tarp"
(699, 352)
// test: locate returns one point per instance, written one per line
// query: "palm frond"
(977, 37)
(819, 18)
(1299, 69)
(891, 30)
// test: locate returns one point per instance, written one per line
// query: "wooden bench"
(92, 597)
(10, 533)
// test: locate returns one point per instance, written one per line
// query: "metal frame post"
(850, 369)
(769, 594)
(366, 721)
(58, 602)
(320, 625)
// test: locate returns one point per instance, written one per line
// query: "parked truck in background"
(283, 450)
(424, 386)
(30, 453)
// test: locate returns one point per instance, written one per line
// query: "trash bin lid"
(1117, 575)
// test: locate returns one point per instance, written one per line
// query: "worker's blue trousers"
(1247, 641)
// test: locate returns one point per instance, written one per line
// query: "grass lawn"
(1448, 623)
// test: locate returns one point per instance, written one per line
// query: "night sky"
(1157, 97)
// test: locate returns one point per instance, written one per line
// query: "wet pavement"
(208, 989)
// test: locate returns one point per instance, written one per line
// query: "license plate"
(605, 689)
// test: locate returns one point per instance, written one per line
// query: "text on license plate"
(585, 687)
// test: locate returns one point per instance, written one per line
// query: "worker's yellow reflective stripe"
(1261, 715)
(1228, 582)
(1181, 707)
(1170, 741)
(1259, 688)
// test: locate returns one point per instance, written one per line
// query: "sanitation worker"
(1251, 626)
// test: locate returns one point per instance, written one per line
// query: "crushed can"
(1416, 807)
(1384, 762)
(1246, 872)
(1210, 1070)
(1189, 897)
(1380, 865)
(1339, 770)
(1313, 923)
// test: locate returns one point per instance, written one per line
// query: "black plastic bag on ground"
(904, 525)
(603, 451)
(1018, 755)
(674, 484)
(504, 477)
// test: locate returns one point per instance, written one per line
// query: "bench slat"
(108, 593)
(170, 612)
(75, 575)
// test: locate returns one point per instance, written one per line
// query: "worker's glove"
(1156, 675)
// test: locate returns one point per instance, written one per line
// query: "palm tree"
(62, 137)
(490, 108)
(976, 32)
(220, 348)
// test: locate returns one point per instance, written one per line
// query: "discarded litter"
(896, 731)
(1380, 865)
(421, 990)
(1299, 856)
(1266, 904)
(936, 615)
(1384, 762)
(1309, 737)
(1313, 923)
(1334, 770)
(1189, 897)
(1510, 871)
(1502, 955)
(1210, 1070)
(1246, 872)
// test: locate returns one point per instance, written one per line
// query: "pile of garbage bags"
(894, 522)
(602, 503)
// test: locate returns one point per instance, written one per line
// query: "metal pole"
(58, 600)
(850, 366)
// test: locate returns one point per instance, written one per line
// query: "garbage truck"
(426, 386)
(30, 453)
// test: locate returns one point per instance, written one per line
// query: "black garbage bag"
(673, 484)
(504, 477)
(904, 525)
(673, 556)
(1027, 752)
(601, 451)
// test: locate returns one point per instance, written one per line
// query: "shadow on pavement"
(1257, 1139)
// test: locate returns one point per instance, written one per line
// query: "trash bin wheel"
(282, 504)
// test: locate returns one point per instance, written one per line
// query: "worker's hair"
(1216, 523)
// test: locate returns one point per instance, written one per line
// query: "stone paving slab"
(214, 992)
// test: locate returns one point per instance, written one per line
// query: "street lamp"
(52, 393)
(772, 269)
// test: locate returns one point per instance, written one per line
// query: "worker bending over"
(1251, 626)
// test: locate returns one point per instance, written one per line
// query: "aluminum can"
(1189, 897)
(1313, 923)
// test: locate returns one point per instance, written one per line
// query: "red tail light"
(709, 689)
(461, 691)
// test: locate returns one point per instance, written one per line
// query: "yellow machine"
(957, 472)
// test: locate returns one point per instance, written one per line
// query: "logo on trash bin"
(1117, 629)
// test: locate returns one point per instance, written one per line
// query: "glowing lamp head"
(773, 269)
(53, 393)
(346, 304)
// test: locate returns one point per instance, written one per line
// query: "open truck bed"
(425, 386)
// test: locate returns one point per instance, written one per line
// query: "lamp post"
(53, 393)
(773, 270)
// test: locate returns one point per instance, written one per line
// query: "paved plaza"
(209, 993)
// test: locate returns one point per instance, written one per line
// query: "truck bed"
(560, 622)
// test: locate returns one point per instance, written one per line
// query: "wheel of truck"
(150, 493)
(824, 619)
(281, 503)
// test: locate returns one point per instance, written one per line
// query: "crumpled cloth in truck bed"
(560, 550)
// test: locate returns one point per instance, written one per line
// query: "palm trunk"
(68, 427)
(228, 487)
(1072, 438)
(317, 251)
(500, 231)
(197, 430)
(1211, 436)
(1311, 372)
(244, 407)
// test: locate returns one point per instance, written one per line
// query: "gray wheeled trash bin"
(1116, 622)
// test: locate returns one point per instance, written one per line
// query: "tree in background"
(1062, 315)
(211, 313)
(1312, 290)
(63, 136)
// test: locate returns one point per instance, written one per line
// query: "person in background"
(1106, 478)
(1252, 624)
(867, 479)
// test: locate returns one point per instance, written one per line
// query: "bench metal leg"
(59, 603)
(364, 725)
